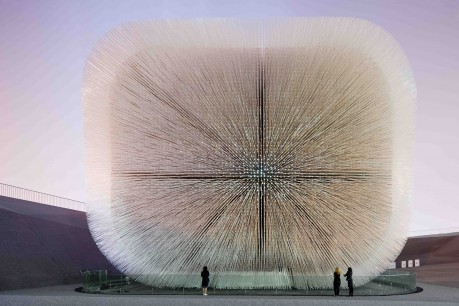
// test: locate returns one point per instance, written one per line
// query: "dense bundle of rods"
(271, 151)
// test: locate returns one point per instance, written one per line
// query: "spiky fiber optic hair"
(271, 151)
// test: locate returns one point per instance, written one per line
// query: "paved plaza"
(66, 295)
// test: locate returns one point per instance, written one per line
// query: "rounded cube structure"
(271, 151)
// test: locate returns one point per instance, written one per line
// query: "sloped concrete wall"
(42, 245)
(431, 250)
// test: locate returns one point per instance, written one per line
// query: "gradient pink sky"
(44, 46)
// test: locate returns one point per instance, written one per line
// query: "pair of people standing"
(337, 281)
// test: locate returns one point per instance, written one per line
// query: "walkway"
(65, 295)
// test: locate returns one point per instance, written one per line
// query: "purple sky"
(44, 45)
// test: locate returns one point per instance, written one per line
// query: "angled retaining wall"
(42, 245)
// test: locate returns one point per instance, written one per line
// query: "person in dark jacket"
(205, 280)
(350, 282)
(336, 281)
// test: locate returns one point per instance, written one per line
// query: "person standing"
(205, 280)
(350, 282)
(336, 281)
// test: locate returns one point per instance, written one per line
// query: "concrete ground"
(66, 295)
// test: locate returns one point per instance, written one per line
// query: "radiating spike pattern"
(271, 151)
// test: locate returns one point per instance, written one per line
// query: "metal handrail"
(40, 197)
